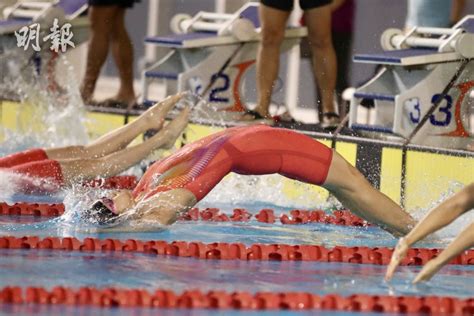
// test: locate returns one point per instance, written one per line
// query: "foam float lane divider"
(195, 299)
(342, 217)
(233, 251)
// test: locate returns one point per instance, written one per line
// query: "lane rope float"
(294, 217)
(233, 251)
(196, 299)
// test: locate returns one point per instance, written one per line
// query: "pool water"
(50, 268)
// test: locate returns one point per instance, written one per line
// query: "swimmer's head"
(102, 212)
(106, 210)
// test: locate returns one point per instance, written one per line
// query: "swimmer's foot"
(112, 103)
(285, 117)
(174, 128)
(330, 120)
(155, 116)
(254, 116)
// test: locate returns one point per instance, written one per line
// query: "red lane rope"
(233, 251)
(343, 217)
(196, 299)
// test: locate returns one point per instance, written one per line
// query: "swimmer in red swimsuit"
(47, 170)
(178, 182)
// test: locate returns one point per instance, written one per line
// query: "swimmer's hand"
(398, 255)
(164, 207)
(464, 241)
(429, 269)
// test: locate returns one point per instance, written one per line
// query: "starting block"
(23, 13)
(210, 54)
(16, 15)
(424, 72)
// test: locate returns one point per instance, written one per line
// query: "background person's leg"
(102, 23)
(122, 51)
(86, 169)
(354, 191)
(273, 22)
(318, 21)
(119, 138)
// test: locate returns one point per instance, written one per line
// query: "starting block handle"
(434, 30)
(216, 16)
(223, 24)
(35, 5)
(28, 9)
(203, 21)
(416, 41)
(201, 26)
(449, 40)
(22, 13)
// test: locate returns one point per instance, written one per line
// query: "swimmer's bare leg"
(356, 193)
(119, 138)
(110, 165)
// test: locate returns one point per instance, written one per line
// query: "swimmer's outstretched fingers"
(398, 255)
(464, 241)
(439, 217)
(157, 113)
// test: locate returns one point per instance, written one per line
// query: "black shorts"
(120, 3)
(287, 5)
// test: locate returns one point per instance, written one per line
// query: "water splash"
(239, 190)
(8, 186)
(46, 117)
(12, 184)
(447, 233)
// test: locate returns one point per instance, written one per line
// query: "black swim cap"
(100, 214)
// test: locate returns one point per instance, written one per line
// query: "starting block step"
(148, 103)
(374, 96)
(161, 75)
(372, 128)
(10, 26)
(182, 40)
(407, 57)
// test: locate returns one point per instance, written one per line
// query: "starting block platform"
(25, 12)
(211, 55)
(406, 57)
(416, 56)
(424, 88)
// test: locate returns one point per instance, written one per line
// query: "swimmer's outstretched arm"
(462, 242)
(118, 139)
(440, 216)
(165, 207)
(356, 193)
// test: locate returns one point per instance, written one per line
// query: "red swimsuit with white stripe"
(255, 150)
